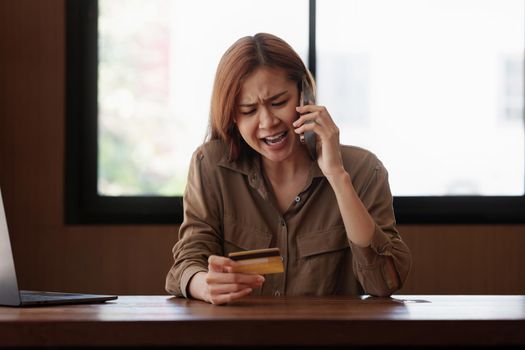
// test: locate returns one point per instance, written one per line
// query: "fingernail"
(260, 279)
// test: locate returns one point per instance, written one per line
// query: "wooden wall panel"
(465, 259)
(134, 259)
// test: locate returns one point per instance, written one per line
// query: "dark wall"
(469, 259)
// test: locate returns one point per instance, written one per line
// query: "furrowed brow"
(272, 98)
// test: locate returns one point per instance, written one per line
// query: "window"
(157, 61)
(440, 102)
(512, 90)
(432, 79)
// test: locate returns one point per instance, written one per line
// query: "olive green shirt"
(228, 207)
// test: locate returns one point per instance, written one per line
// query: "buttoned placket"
(256, 181)
(283, 238)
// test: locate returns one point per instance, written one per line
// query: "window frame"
(83, 204)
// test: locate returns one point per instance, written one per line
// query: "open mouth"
(275, 139)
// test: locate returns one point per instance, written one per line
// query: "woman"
(253, 185)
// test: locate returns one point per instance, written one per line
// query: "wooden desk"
(419, 320)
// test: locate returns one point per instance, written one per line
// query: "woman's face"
(266, 111)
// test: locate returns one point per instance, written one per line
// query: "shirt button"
(277, 293)
(297, 199)
(283, 223)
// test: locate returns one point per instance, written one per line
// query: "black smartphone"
(309, 137)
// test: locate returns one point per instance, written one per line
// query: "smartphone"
(309, 137)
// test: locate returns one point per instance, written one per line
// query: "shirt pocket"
(239, 236)
(322, 242)
(323, 257)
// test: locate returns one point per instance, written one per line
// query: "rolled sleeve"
(187, 275)
(370, 263)
(199, 234)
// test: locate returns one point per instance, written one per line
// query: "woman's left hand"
(317, 119)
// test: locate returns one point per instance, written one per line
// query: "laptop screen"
(9, 294)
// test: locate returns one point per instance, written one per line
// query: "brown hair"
(241, 59)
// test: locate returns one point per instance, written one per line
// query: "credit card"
(259, 261)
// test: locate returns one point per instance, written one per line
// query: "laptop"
(10, 295)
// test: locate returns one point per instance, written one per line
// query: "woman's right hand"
(220, 285)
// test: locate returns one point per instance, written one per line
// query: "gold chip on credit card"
(260, 261)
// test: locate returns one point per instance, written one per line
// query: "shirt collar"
(315, 170)
(252, 166)
(244, 165)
